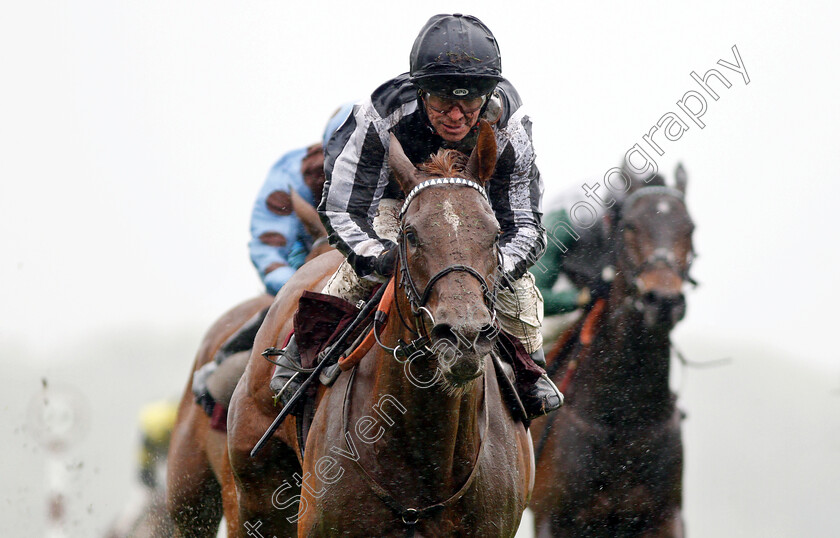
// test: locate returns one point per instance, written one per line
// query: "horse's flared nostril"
(443, 331)
(488, 332)
(485, 339)
(678, 309)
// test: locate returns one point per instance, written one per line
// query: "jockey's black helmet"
(456, 57)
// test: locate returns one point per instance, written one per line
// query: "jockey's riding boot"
(200, 388)
(542, 397)
(287, 376)
(241, 340)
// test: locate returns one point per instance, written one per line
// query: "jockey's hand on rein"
(385, 262)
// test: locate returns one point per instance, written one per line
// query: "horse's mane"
(445, 163)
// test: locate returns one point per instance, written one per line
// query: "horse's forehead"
(453, 204)
(660, 215)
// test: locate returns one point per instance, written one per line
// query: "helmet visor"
(457, 87)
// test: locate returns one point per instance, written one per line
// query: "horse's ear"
(308, 216)
(483, 157)
(681, 177)
(404, 171)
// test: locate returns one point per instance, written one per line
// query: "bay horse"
(403, 444)
(610, 462)
(197, 458)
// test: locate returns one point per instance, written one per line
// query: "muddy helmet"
(455, 56)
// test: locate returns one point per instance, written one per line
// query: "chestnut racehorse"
(197, 452)
(610, 462)
(400, 445)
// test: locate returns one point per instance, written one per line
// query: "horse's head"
(655, 251)
(449, 254)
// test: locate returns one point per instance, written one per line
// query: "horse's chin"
(458, 381)
(457, 387)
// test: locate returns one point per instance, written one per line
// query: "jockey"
(279, 242)
(156, 422)
(454, 80)
(565, 240)
(578, 265)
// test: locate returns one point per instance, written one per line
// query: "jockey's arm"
(276, 247)
(547, 271)
(356, 171)
(516, 194)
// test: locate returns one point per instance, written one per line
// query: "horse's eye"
(411, 238)
(631, 243)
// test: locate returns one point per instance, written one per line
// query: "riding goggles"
(441, 105)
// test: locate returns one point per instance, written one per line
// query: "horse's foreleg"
(193, 494)
(267, 486)
(267, 493)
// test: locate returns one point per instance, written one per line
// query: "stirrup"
(288, 372)
(278, 396)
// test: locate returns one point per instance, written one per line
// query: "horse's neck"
(625, 375)
(436, 439)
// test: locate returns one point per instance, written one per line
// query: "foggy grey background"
(135, 137)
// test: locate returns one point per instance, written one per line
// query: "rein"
(586, 337)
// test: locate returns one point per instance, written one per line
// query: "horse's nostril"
(663, 299)
(443, 331)
(488, 332)
(671, 300)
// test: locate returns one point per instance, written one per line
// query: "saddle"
(319, 320)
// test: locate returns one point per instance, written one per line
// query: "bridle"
(660, 256)
(418, 299)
